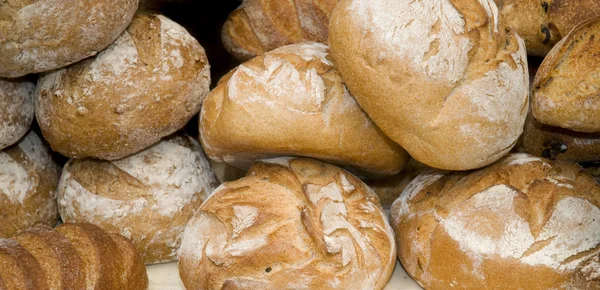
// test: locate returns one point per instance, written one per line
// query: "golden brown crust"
(20, 269)
(134, 275)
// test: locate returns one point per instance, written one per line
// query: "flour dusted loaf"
(522, 223)
(72, 256)
(566, 88)
(28, 181)
(289, 224)
(145, 86)
(16, 110)
(148, 197)
(258, 26)
(389, 189)
(292, 101)
(447, 80)
(42, 35)
(543, 23)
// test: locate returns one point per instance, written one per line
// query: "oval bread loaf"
(289, 224)
(444, 79)
(145, 86)
(16, 110)
(522, 223)
(147, 197)
(28, 181)
(42, 35)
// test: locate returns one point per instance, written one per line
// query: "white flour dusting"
(15, 182)
(36, 151)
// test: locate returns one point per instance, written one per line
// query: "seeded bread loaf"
(16, 110)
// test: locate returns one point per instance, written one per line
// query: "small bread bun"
(28, 181)
(145, 86)
(147, 197)
(292, 101)
(522, 223)
(447, 80)
(16, 110)
(390, 188)
(258, 26)
(566, 87)
(289, 224)
(42, 35)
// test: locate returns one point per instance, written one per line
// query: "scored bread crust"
(447, 80)
(289, 224)
(145, 86)
(42, 35)
(258, 26)
(522, 223)
(16, 110)
(293, 102)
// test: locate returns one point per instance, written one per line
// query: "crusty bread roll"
(42, 35)
(28, 181)
(566, 87)
(289, 224)
(522, 223)
(542, 23)
(258, 26)
(16, 110)
(558, 143)
(147, 197)
(389, 189)
(145, 86)
(292, 101)
(73, 256)
(445, 79)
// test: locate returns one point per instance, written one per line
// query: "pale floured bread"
(16, 110)
(389, 189)
(542, 23)
(566, 87)
(42, 35)
(522, 223)
(145, 86)
(292, 102)
(258, 26)
(28, 182)
(147, 197)
(289, 224)
(445, 79)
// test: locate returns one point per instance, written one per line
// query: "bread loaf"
(289, 224)
(389, 189)
(292, 101)
(28, 181)
(42, 35)
(145, 86)
(542, 23)
(74, 256)
(16, 110)
(566, 87)
(258, 26)
(444, 79)
(147, 197)
(522, 223)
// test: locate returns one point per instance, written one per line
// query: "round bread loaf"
(444, 79)
(16, 110)
(542, 23)
(558, 143)
(292, 101)
(390, 188)
(28, 181)
(42, 35)
(258, 26)
(289, 224)
(522, 223)
(145, 86)
(566, 88)
(147, 197)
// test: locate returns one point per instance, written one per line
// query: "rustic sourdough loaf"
(522, 223)
(145, 86)
(16, 110)
(147, 197)
(289, 224)
(447, 79)
(292, 101)
(42, 35)
(28, 181)
(258, 26)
